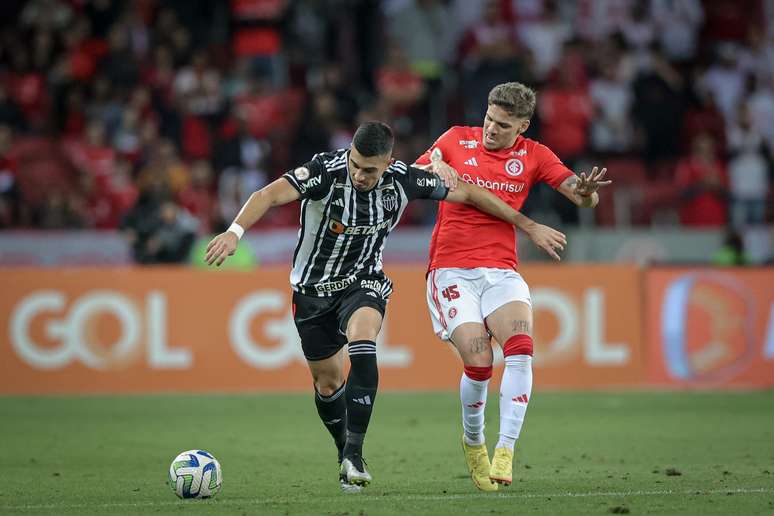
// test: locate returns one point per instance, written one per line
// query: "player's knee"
(328, 381)
(519, 344)
(476, 351)
(327, 386)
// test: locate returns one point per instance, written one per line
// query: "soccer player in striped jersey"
(350, 201)
(474, 291)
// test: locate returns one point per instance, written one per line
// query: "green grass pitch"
(580, 453)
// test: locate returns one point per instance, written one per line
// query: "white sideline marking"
(267, 501)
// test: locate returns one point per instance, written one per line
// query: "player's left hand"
(587, 185)
(446, 172)
(221, 247)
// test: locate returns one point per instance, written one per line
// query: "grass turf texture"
(595, 453)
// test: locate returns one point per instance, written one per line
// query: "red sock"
(518, 345)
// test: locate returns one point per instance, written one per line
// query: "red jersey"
(466, 238)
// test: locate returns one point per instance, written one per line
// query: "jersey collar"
(505, 151)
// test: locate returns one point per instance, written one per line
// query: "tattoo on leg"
(521, 326)
(479, 344)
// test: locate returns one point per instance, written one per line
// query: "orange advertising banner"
(176, 329)
(711, 327)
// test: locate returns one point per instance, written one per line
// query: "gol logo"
(47, 332)
(707, 323)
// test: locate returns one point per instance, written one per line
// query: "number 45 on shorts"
(450, 292)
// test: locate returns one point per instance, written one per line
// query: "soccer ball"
(195, 474)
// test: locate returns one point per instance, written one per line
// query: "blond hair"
(515, 98)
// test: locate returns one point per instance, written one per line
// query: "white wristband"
(237, 230)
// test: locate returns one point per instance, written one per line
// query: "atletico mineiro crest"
(389, 202)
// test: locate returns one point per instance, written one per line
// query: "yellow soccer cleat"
(502, 466)
(477, 460)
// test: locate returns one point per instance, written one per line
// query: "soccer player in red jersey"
(474, 291)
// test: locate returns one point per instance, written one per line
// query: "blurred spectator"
(658, 108)
(197, 198)
(748, 172)
(677, 27)
(309, 34)
(49, 14)
(639, 29)
(565, 112)
(400, 87)
(103, 207)
(159, 230)
(725, 80)
(26, 87)
(611, 97)
(703, 183)
(320, 122)
(164, 169)
(197, 87)
(422, 30)
(703, 116)
(60, 210)
(92, 155)
(242, 160)
(732, 253)
(104, 104)
(11, 205)
(10, 114)
(489, 55)
(760, 104)
(421, 27)
(545, 39)
(126, 140)
(118, 65)
(172, 238)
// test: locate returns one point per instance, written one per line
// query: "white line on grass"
(428, 497)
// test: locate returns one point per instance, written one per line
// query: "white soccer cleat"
(353, 470)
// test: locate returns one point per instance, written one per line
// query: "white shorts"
(457, 296)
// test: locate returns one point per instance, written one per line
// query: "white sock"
(515, 392)
(473, 398)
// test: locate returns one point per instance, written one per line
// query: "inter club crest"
(389, 202)
(514, 167)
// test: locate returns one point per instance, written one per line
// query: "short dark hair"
(373, 139)
(515, 98)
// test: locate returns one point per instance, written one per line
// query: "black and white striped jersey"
(343, 230)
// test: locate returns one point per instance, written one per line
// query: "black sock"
(333, 413)
(361, 393)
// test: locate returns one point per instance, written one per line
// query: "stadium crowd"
(152, 114)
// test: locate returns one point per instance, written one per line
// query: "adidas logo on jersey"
(363, 401)
(472, 162)
(339, 203)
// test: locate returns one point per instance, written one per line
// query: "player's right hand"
(548, 239)
(221, 247)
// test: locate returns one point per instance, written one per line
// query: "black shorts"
(322, 321)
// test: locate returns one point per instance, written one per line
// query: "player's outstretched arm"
(582, 190)
(546, 238)
(275, 194)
